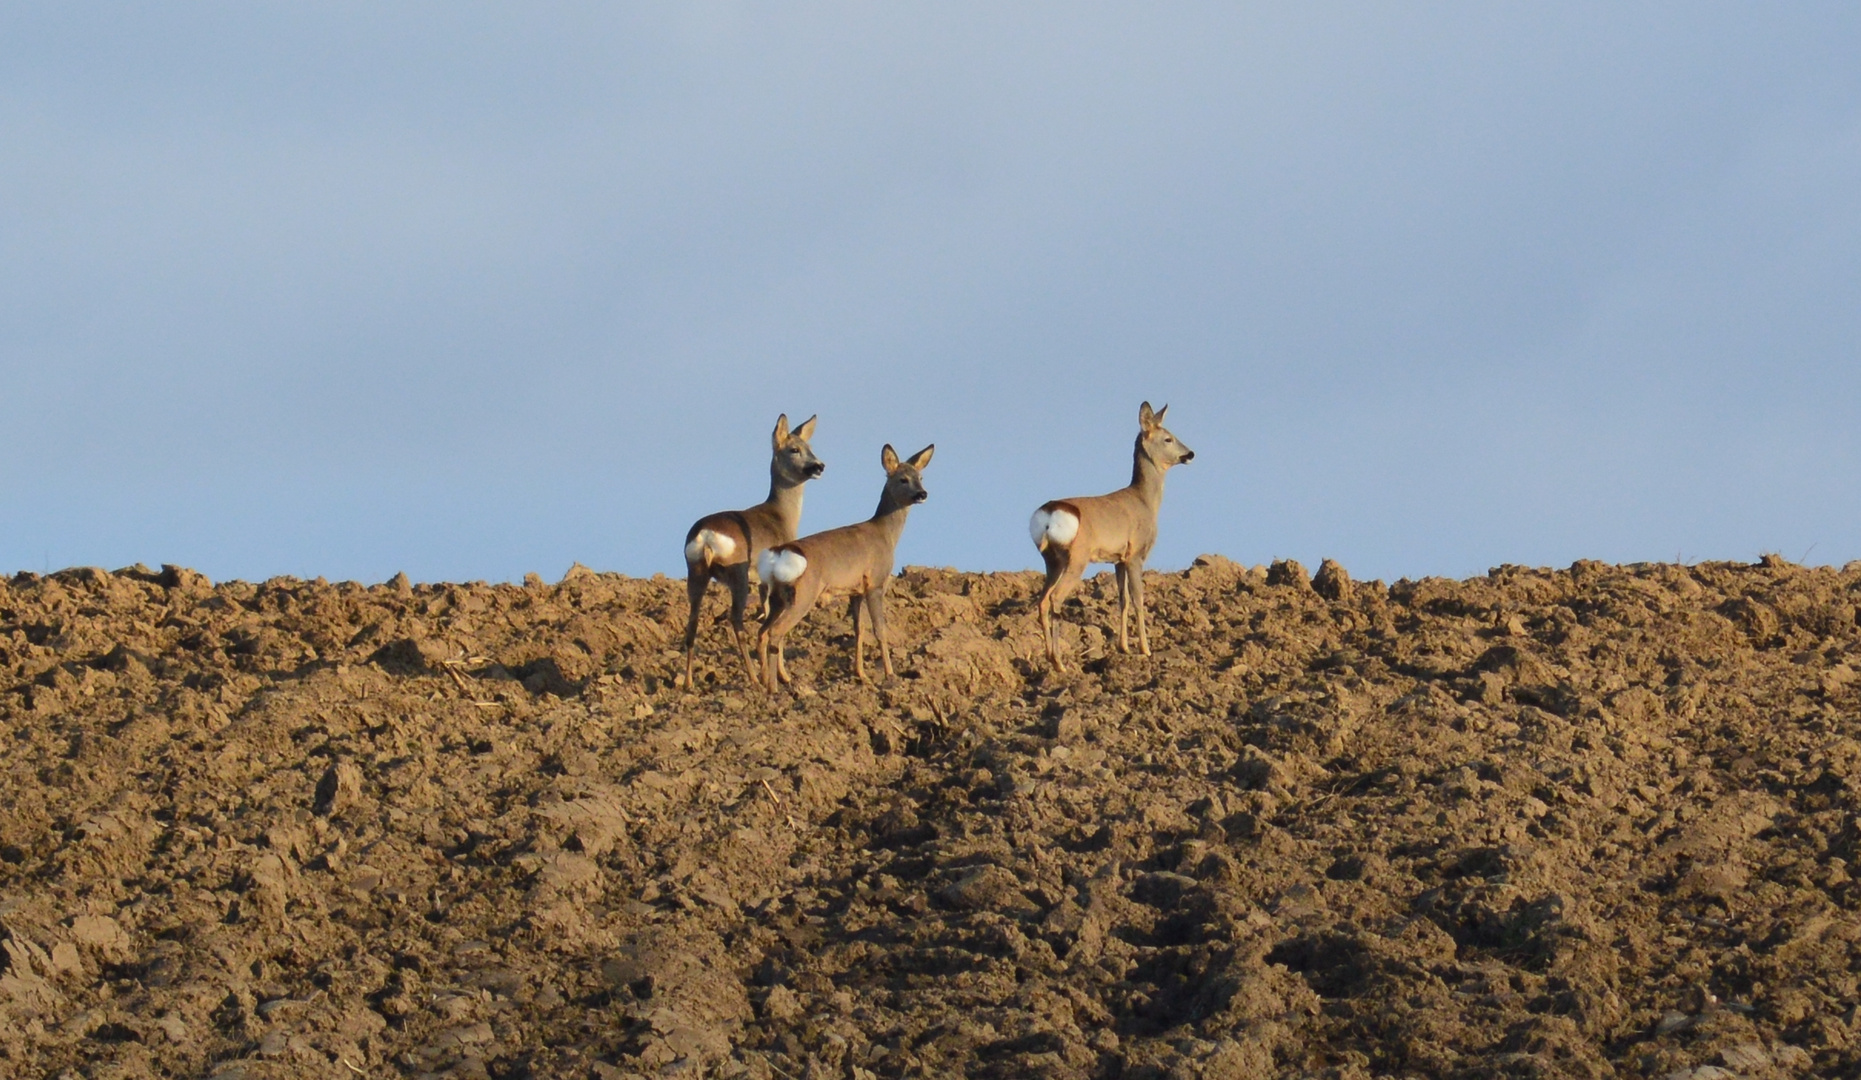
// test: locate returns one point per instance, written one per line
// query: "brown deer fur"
(853, 560)
(726, 545)
(1119, 528)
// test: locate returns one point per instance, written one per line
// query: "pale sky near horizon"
(471, 290)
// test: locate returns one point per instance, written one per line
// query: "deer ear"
(888, 457)
(806, 430)
(1145, 418)
(922, 457)
(1161, 413)
(781, 430)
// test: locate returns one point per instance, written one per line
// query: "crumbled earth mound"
(1590, 822)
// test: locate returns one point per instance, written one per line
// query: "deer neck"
(1147, 479)
(890, 518)
(785, 499)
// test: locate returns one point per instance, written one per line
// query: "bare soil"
(1588, 822)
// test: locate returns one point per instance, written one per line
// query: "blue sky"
(475, 290)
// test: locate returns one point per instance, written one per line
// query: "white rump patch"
(782, 566)
(1057, 527)
(720, 546)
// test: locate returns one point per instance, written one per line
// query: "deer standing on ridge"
(1119, 528)
(853, 559)
(725, 545)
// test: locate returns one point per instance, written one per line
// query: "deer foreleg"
(875, 610)
(859, 639)
(1136, 575)
(1124, 608)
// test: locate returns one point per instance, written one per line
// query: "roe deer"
(726, 545)
(1119, 528)
(853, 559)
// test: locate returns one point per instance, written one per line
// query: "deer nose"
(815, 469)
(920, 496)
(1188, 455)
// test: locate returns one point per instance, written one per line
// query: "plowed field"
(1586, 822)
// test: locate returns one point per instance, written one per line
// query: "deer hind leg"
(787, 606)
(1046, 610)
(1062, 578)
(738, 578)
(859, 639)
(697, 580)
(773, 609)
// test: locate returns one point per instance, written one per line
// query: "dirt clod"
(1333, 583)
(1288, 572)
(339, 789)
(1599, 821)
